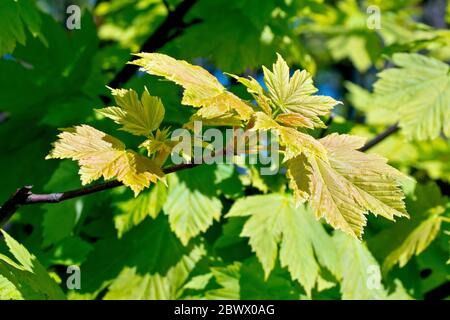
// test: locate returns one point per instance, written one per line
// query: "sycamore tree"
(216, 149)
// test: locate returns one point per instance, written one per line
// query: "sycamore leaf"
(192, 205)
(159, 142)
(294, 94)
(26, 278)
(8, 291)
(255, 89)
(400, 242)
(228, 279)
(419, 91)
(294, 120)
(134, 211)
(298, 178)
(351, 183)
(295, 141)
(202, 89)
(15, 18)
(361, 275)
(99, 154)
(137, 117)
(131, 285)
(275, 222)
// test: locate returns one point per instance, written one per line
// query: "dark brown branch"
(383, 135)
(13, 203)
(170, 28)
(23, 196)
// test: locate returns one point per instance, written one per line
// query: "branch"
(170, 28)
(23, 196)
(383, 135)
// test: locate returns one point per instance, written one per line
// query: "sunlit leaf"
(99, 154)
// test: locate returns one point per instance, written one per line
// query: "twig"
(23, 196)
(383, 135)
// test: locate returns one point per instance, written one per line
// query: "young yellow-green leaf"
(298, 178)
(134, 211)
(99, 154)
(26, 278)
(159, 142)
(202, 89)
(296, 142)
(294, 120)
(419, 91)
(349, 185)
(255, 89)
(294, 94)
(137, 117)
(132, 285)
(275, 222)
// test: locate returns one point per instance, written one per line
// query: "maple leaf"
(132, 284)
(294, 94)
(137, 117)
(419, 91)
(133, 211)
(355, 264)
(202, 89)
(25, 278)
(296, 142)
(255, 89)
(405, 239)
(192, 205)
(348, 184)
(100, 154)
(275, 222)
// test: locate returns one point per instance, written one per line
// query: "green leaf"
(275, 222)
(132, 285)
(192, 205)
(419, 91)
(149, 248)
(228, 279)
(28, 277)
(14, 17)
(70, 251)
(60, 220)
(134, 211)
(361, 275)
(255, 286)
